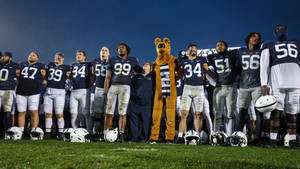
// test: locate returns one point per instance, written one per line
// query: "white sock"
(21, 128)
(228, 126)
(105, 131)
(180, 134)
(48, 124)
(32, 129)
(60, 124)
(273, 136)
(292, 136)
(73, 120)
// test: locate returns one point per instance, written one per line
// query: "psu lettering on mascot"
(164, 69)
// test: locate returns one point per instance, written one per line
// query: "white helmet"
(266, 103)
(66, 134)
(13, 133)
(37, 134)
(218, 138)
(80, 135)
(203, 137)
(287, 140)
(111, 135)
(238, 138)
(191, 138)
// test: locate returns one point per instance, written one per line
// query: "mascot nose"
(161, 46)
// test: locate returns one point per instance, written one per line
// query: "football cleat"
(203, 138)
(179, 140)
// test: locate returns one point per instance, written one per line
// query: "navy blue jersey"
(31, 79)
(8, 76)
(283, 51)
(122, 69)
(224, 66)
(81, 75)
(100, 71)
(179, 87)
(57, 75)
(193, 71)
(248, 63)
(142, 89)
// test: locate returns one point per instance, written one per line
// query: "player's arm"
(69, 74)
(44, 75)
(264, 70)
(107, 80)
(208, 71)
(180, 72)
(93, 76)
(18, 72)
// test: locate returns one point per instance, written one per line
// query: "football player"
(248, 64)
(99, 69)
(9, 71)
(57, 74)
(224, 66)
(193, 91)
(118, 73)
(82, 79)
(33, 74)
(279, 67)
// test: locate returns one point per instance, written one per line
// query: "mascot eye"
(161, 46)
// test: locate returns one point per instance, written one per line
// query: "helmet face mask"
(191, 138)
(66, 134)
(80, 135)
(111, 135)
(37, 134)
(13, 133)
(238, 139)
(218, 138)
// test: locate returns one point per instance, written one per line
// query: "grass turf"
(58, 154)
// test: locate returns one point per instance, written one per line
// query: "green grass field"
(58, 154)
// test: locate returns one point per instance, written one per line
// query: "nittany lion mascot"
(164, 69)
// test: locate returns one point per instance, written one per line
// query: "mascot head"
(163, 47)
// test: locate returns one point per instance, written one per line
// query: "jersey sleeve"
(264, 66)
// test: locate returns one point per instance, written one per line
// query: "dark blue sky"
(51, 26)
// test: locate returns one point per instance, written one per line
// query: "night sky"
(50, 26)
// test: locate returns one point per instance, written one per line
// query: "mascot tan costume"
(165, 91)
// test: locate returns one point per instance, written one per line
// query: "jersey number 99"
(123, 69)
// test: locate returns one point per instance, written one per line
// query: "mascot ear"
(157, 40)
(166, 40)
